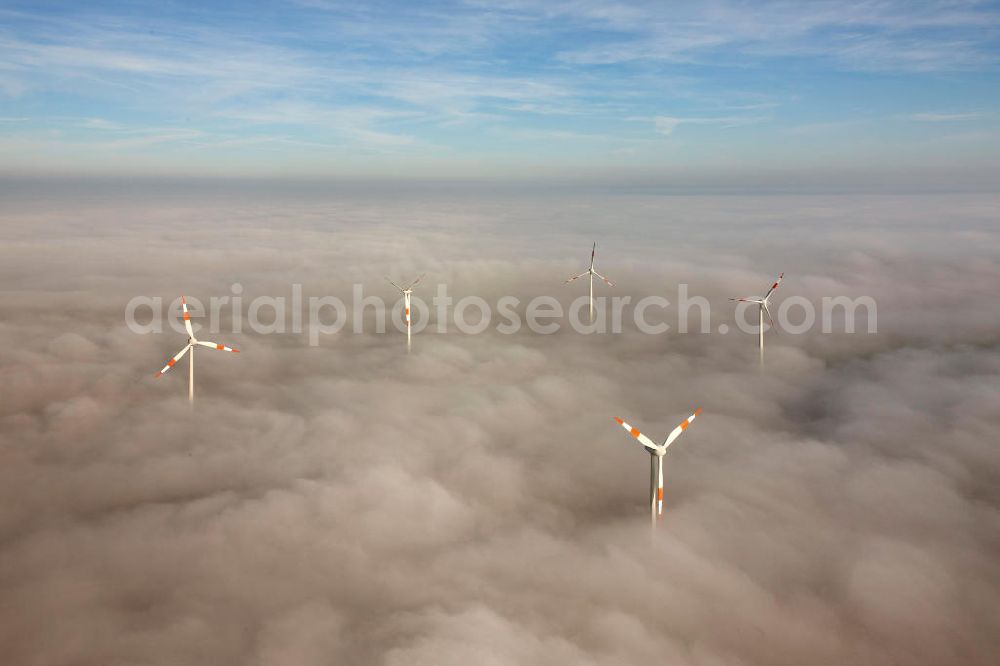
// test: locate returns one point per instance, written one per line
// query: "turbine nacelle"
(657, 451)
(761, 302)
(189, 347)
(592, 273)
(408, 289)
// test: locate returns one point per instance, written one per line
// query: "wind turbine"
(656, 453)
(406, 291)
(591, 272)
(192, 341)
(762, 308)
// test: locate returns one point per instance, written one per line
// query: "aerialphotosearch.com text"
(320, 316)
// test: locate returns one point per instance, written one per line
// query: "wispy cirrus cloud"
(667, 124)
(459, 76)
(853, 35)
(943, 117)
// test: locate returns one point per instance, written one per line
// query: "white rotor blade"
(394, 284)
(610, 283)
(770, 321)
(172, 361)
(187, 318)
(774, 286)
(414, 283)
(748, 299)
(645, 441)
(681, 428)
(593, 251)
(215, 345)
(577, 277)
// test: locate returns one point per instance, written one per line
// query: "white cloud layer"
(473, 501)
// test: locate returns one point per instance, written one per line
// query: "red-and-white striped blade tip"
(688, 420)
(676, 432)
(775, 285)
(645, 441)
(216, 345)
(172, 361)
(187, 318)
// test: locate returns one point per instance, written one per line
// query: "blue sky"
(499, 89)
